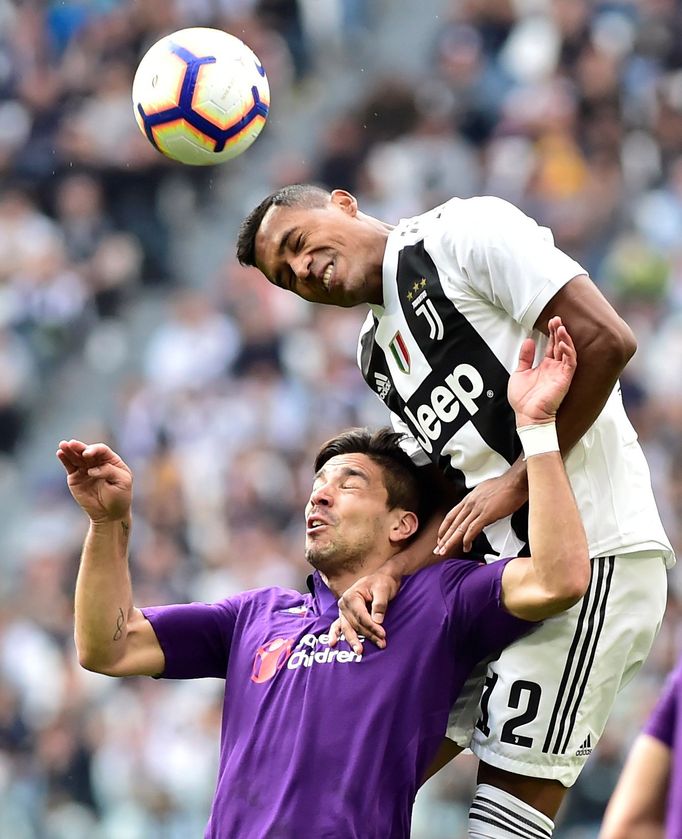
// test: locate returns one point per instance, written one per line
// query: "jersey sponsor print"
(311, 649)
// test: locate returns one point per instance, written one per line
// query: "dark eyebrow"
(346, 472)
(284, 241)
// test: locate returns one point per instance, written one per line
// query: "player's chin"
(317, 554)
(346, 295)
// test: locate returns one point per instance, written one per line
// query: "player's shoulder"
(450, 569)
(274, 599)
(468, 210)
(460, 220)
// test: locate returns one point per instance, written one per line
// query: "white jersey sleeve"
(505, 256)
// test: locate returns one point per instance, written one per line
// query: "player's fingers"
(455, 534)
(474, 527)
(379, 635)
(66, 463)
(451, 541)
(526, 355)
(453, 517)
(567, 355)
(461, 537)
(108, 472)
(353, 606)
(363, 623)
(335, 632)
(566, 342)
(564, 335)
(356, 612)
(350, 634)
(100, 452)
(379, 607)
(71, 453)
(550, 349)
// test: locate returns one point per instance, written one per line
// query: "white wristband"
(538, 439)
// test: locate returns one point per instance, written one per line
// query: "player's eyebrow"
(346, 472)
(284, 241)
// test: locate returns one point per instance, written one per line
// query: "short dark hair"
(296, 195)
(405, 482)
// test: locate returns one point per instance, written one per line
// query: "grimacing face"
(329, 254)
(348, 522)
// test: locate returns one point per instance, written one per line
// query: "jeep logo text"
(461, 388)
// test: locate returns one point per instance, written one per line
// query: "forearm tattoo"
(120, 622)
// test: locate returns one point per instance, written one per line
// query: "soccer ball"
(200, 96)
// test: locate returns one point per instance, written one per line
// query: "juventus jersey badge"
(401, 355)
(423, 306)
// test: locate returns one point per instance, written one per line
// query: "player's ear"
(345, 201)
(404, 525)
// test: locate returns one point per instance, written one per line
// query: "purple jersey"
(323, 742)
(665, 724)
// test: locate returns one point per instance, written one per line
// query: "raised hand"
(98, 479)
(535, 393)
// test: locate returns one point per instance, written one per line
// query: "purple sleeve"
(473, 597)
(661, 723)
(195, 637)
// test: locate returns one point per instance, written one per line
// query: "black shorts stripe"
(498, 810)
(610, 564)
(569, 663)
(580, 656)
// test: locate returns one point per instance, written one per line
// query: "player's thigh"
(547, 698)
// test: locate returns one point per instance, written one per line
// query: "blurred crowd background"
(124, 318)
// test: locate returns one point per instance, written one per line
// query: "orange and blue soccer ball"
(200, 96)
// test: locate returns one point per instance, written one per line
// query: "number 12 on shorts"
(523, 695)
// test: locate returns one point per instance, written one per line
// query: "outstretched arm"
(557, 573)
(112, 636)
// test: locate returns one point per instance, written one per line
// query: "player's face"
(325, 254)
(348, 522)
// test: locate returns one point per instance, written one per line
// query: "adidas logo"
(383, 384)
(586, 747)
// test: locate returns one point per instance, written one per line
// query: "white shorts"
(541, 707)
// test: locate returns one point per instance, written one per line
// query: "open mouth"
(327, 276)
(315, 523)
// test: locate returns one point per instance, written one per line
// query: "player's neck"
(375, 285)
(341, 579)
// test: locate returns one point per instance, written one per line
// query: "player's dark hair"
(297, 195)
(405, 482)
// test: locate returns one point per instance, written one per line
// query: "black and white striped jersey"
(463, 285)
